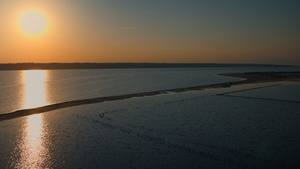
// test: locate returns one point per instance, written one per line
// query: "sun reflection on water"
(32, 150)
(34, 88)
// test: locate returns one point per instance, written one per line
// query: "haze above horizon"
(178, 31)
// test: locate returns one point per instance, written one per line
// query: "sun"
(33, 22)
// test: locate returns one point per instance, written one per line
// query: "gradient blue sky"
(193, 31)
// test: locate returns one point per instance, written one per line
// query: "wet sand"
(248, 78)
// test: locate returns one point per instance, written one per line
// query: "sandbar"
(246, 78)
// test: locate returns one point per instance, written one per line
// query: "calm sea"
(252, 126)
(34, 88)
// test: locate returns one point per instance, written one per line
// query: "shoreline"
(66, 66)
(247, 78)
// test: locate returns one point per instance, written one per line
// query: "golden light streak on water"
(35, 94)
(32, 150)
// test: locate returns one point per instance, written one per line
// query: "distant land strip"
(254, 77)
(50, 66)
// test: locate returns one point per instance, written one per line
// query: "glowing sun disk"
(33, 22)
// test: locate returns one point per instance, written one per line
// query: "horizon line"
(203, 63)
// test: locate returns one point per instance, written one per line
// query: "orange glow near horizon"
(54, 31)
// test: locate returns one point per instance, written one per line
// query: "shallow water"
(178, 130)
(285, 92)
(185, 130)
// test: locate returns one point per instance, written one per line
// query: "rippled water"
(186, 130)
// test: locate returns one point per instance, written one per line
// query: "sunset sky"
(173, 31)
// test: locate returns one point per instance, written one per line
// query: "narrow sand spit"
(248, 78)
